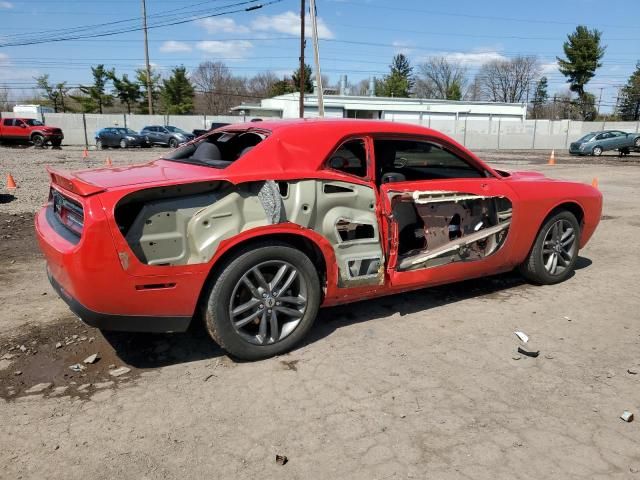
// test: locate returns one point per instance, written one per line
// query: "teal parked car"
(595, 143)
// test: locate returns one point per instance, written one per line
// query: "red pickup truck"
(25, 130)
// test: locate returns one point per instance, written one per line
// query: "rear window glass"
(218, 150)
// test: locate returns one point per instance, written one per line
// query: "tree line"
(212, 87)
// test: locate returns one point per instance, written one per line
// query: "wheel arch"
(312, 244)
(571, 206)
(36, 132)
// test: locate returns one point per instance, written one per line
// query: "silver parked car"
(595, 143)
(166, 135)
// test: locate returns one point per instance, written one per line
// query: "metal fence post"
(464, 139)
(566, 138)
(499, 128)
(124, 115)
(535, 127)
(84, 124)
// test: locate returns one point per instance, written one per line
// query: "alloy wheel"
(559, 247)
(268, 302)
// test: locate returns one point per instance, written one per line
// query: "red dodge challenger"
(254, 226)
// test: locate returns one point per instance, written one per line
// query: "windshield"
(34, 123)
(176, 130)
(587, 137)
(126, 131)
(218, 150)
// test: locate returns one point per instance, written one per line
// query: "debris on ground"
(524, 338)
(516, 357)
(40, 387)
(59, 345)
(632, 371)
(119, 371)
(529, 353)
(91, 358)
(627, 416)
(76, 367)
(281, 459)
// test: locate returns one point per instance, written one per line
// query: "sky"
(358, 37)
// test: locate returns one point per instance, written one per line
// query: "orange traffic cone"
(594, 182)
(85, 153)
(552, 158)
(11, 183)
(108, 162)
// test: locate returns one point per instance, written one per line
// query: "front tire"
(264, 301)
(173, 143)
(99, 145)
(553, 256)
(123, 143)
(38, 140)
(597, 151)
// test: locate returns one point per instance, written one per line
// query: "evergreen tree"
(629, 108)
(540, 97)
(583, 52)
(127, 91)
(94, 97)
(399, 82)
(141, 78)
(177, 92)
(454, 92)
(308, 82)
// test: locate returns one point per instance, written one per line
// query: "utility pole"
(146, 55)
(316, 56)
(302, 79)
(599, 102)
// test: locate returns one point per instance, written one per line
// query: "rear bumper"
(123, 323)
(87, 274)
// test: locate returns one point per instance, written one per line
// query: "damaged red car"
(255, 226)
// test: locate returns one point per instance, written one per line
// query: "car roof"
(301, 146)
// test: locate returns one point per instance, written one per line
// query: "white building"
(412, 110)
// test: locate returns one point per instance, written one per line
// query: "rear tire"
(597, 151)
(636, 143)
(258, 315)
(553, 256)
(99, 145)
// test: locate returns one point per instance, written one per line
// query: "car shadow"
(153, 350)
(6, 197)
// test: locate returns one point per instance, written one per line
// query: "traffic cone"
(108, 162)
(594, 182)
(85, 153)
(552, 158)
(11, 183)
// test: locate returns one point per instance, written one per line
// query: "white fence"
(498, 134)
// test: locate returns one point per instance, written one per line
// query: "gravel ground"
(421, 385)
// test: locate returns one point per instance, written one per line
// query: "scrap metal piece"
(627, 416)
(271, 200)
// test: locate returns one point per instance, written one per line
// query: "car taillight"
(69, 212)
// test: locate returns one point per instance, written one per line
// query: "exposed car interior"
(218, 150)
(410, 160)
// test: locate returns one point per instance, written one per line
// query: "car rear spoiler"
(70, 182)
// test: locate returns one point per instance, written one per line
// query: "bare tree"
(5, 104)
(474, 91)
(261, 85)
(424, 88)
(361, 88)
(446, 79)
(218, 88)
(508, 80)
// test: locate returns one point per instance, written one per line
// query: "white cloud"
(547, 68)
(217, 25)
(6, 5)
(289, 23)
(402, 47)
(225, 49)
(474, 58)
(8, 72)
(171, 46)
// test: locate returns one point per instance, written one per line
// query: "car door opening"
(439, 227)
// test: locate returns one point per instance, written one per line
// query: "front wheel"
(264, 301)
(597, 151)
(123, 143)
(555, 251)
(99, 145)
(38, 140)
(173, 143)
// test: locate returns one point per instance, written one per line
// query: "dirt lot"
(421, 385)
